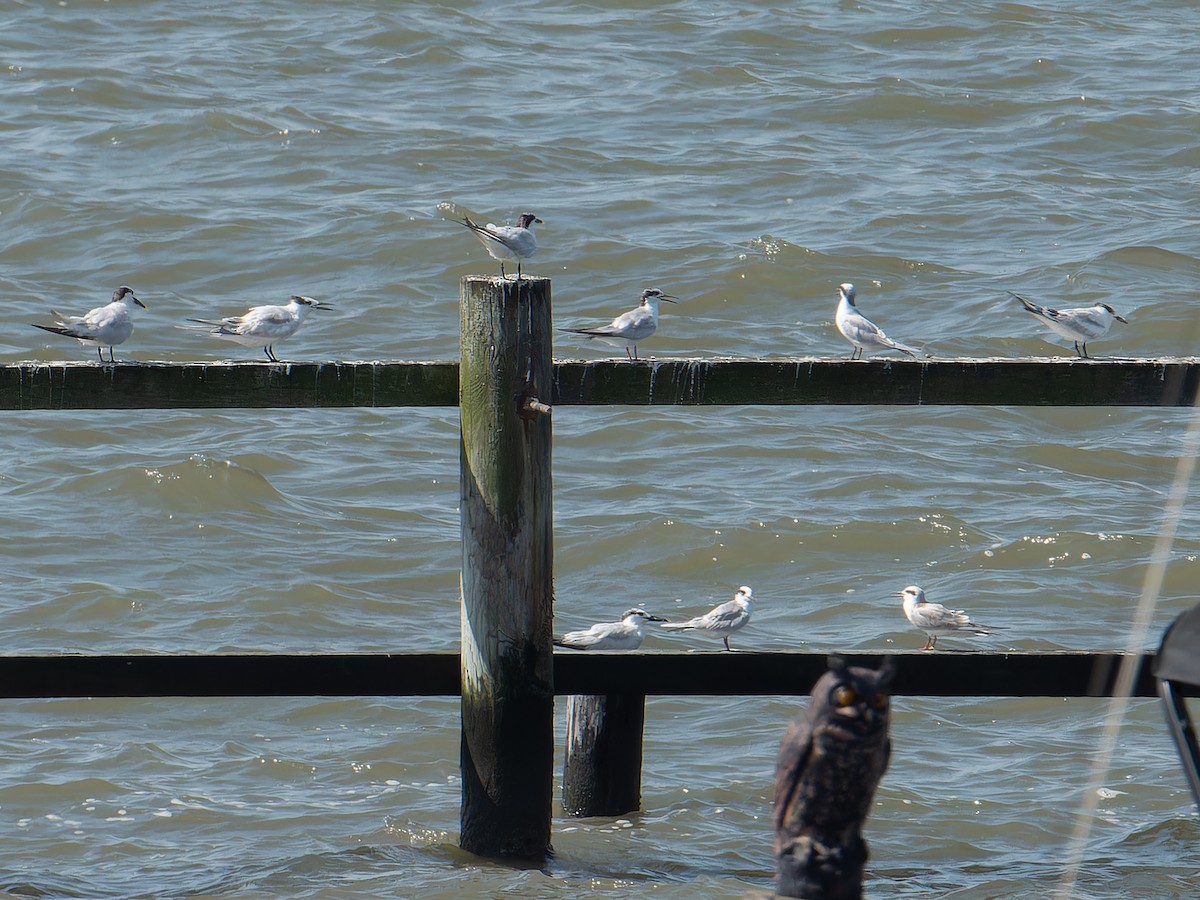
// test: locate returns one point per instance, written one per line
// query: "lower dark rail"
(662, 673)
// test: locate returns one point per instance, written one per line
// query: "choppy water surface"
(746, 159)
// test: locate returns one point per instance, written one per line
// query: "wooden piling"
(602, 771)
(507, 556)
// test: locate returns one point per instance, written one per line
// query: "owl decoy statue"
(830, 762)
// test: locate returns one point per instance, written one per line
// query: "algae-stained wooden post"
(602, 771)
(507, 559)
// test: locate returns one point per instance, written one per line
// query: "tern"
(935, 619)
(624, 635)
(858, 329)
(1080, 325)
(261, 326)
(722, 621)
(507, 242)
(627, 329)
(104, 326)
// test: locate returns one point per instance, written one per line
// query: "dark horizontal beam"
(250, 385)
(231, 675)
(970, 674)
(691, 382)
(948, 674)
(881, 382)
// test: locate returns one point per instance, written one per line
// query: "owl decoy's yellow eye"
(880, 701)
(844, 695)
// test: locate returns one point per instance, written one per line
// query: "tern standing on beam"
(721, 621)
(104, 326)
(507, 242)
(633, 326)
(624, 635)
(1081, 324)
(858, 329)
(935, 619)
(260, 326)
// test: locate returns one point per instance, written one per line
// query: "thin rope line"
(1118, 706)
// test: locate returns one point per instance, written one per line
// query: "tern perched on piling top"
(507, 242)
(260, 326)
(721, 621)
(1079, 325)
(860, 331)
(935, 619)
(104, 326)
(627, 329)
(624, 635)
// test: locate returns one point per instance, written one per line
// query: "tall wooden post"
(602, 772)
(507, 567)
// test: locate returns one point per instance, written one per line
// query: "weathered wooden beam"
(883, 382)
(674, 382)
(245, 385)
(944, 674)
(505, 506)
(658, 673)
(602, 763)
(231, 675)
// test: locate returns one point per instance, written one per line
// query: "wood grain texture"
(506, 511)
(602, 767)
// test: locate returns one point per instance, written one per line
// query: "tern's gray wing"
(896, 345)
(230, 325)
(491, 241)
(578, 640)
(936, 617)
(632, 326)
(65, 320)
(507, 239)
(102, 316)
(861, 330)
(109, 324)
(270, 318)
(933, 615)
(1030, 306)
(603, 636)
(598, 331)
(723, 616)
(1060, 323)
(70, 331)
(518, 240)
(1087, 321)
(227, 322)
(1074, 324)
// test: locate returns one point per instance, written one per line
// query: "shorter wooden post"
(602, 773)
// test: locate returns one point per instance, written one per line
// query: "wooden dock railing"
(676, 382)
(505, 350)
(746, 673)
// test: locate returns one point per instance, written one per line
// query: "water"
(746, 159)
